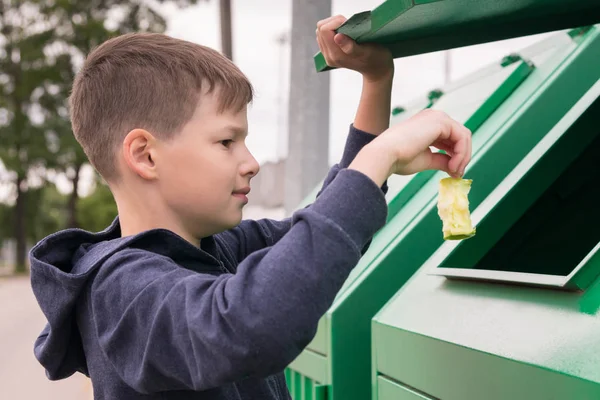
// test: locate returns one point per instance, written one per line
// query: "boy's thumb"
(346, 43)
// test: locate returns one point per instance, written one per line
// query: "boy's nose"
(251, 166)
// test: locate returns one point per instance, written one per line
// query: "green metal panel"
(451, 371)
(312, 365)
(320, 342)
(304, 388)
(410, 27)
(473, 339)
(475, 100)
(415, 232)
(390, 390)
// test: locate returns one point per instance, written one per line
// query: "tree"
(45, 208)
(226, 30)
(97, 210)
(26, 73)
(41, 44)
(6, 223)
(46, 211)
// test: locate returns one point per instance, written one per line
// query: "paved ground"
(21, 376)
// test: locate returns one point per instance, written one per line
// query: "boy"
(179, 299)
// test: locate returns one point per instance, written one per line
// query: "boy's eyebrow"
(237, 130)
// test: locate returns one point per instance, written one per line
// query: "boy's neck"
(137, 215)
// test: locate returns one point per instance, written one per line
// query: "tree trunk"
(226, 31)
(20, 234)
(73, 198)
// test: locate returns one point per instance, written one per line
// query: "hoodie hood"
(61, 265)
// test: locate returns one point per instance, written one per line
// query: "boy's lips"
(242, 194)
(243, 191)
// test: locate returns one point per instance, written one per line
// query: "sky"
(258, 24)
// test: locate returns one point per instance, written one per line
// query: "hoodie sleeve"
(168, 328)
(252, 235)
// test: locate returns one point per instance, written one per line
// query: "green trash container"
(338, 360)
(512, 313)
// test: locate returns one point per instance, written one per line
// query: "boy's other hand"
(404, 148)
(411, 141)
(373, 61)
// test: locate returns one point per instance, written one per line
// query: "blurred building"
(267, 195)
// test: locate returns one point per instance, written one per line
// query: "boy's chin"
(232, 222)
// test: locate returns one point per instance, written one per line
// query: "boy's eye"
(226, 142)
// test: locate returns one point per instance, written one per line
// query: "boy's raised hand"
(404, 148)
(373, 61)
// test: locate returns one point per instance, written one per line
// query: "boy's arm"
(376, 66)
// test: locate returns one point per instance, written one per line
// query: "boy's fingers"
(326, 20)
(458, 157)
(330, 49)
(459, 138)
(332, 24)
(320, 42)
(462, 148)
(326, 50)
(325, 32)
(322, 22)
(449, 149)
(345, 43)
(466, 133)
(440, 162)
(470, 135)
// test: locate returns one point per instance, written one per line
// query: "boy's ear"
(139, 148)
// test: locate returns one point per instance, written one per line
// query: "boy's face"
(206, 169)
